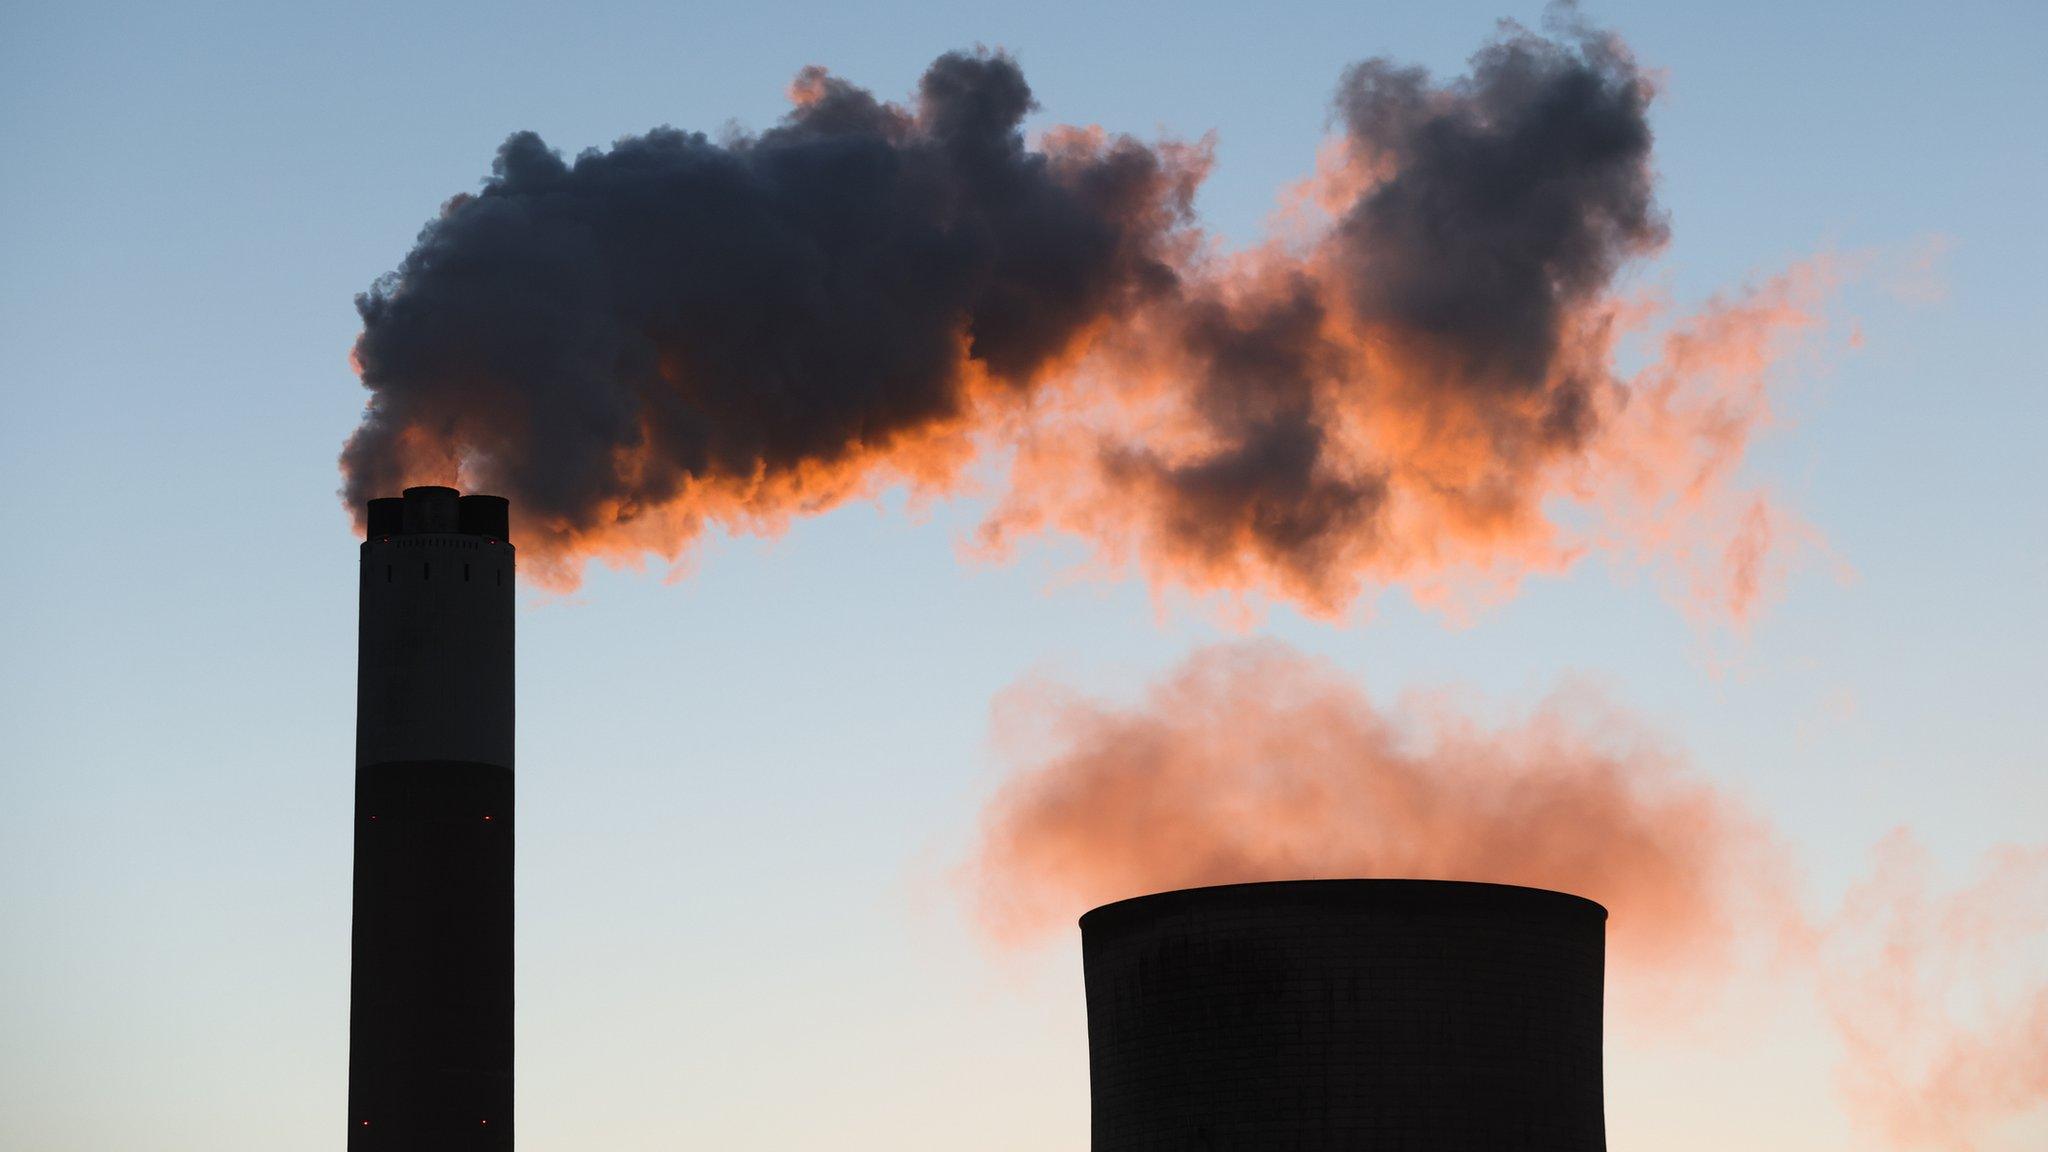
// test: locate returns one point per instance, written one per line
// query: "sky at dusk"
(785, 794)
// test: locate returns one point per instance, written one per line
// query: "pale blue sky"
(740, 794)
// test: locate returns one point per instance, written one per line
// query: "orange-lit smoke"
(1398, 482)
(1415, 383)
(1941, 997)
(1664, 485)
(1251, 762)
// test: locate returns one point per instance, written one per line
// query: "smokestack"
(1416, 1014)
(430, 1013)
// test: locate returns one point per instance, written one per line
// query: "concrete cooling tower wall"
(1416, 1015)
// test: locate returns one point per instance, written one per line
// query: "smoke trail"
(1919, 984)
(677, 332)
(1252, 763)
(1434, 341)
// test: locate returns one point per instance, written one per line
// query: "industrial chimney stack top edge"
(433, 510)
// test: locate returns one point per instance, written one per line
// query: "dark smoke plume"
(604, 337)
(678, 331)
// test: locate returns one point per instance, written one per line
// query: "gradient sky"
(742, 794)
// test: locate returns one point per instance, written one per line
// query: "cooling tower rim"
(1396, 895)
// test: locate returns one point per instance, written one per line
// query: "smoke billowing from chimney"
(1254, 763)
(677, 332)
(677, 328)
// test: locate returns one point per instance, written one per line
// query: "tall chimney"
(430, 1011)
(1422, 1015)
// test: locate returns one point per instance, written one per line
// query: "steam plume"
(678, 331)
(1919, 984)
(1253, 763)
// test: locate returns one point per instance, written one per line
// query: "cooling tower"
(1411, 1015)
(430, 1011)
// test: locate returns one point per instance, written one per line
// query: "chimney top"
(437, 510)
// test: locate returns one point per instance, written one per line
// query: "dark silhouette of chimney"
(1419, 1015)
(430, 1010)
